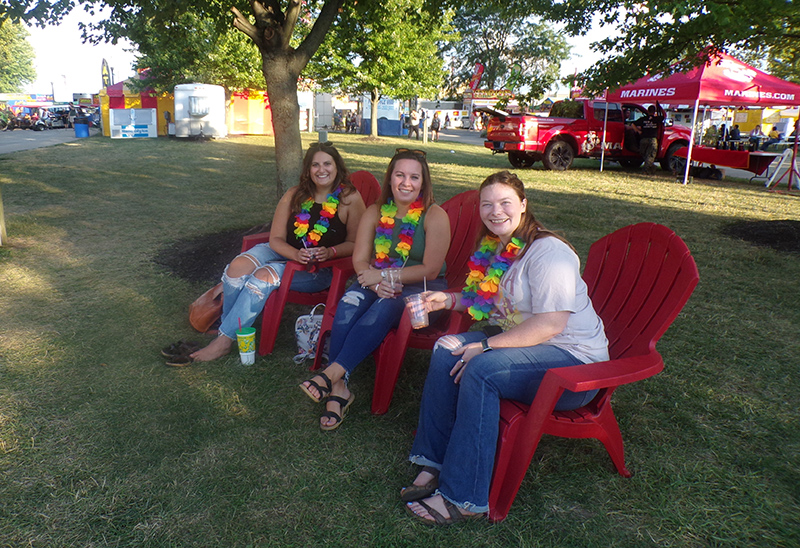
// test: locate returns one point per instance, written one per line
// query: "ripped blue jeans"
(363, 319)
(245, 296)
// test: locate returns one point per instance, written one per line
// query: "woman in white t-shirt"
(525, 280)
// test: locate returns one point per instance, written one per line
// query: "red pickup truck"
(574, 128)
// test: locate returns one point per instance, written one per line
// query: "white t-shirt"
(547, 279)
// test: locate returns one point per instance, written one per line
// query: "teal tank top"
(417, 244)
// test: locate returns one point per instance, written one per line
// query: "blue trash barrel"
(81, 124)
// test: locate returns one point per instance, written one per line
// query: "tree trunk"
(281, 64)
(282, 93)
(375, 96)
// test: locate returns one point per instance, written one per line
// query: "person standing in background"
(649, 128)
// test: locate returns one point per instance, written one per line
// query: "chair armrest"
(253, 239)
(593, 376)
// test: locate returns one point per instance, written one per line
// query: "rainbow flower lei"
(486, 270)
(383, 234)
(321, 226)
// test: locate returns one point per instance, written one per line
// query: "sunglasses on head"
(420, 153)
(320, 144)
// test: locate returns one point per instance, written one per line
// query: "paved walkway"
(26, 139)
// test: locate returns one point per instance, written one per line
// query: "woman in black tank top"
(314, 221)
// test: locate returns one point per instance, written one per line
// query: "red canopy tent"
(724, 80)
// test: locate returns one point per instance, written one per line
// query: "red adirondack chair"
(367, 185)
(464, 216)
(639, 279)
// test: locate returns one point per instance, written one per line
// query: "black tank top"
(336, 234)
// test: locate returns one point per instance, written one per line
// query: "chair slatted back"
(367, 185)
(639, 278)
(465, 221)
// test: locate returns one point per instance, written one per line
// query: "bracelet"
(333, 249)
(452, 304)
(376, 287)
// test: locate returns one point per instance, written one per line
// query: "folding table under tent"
(723, 81)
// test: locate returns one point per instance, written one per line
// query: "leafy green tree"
(663, 36)
(784, 61)
(515, 52)
(16, 57)
(390, 50)
(226, 58)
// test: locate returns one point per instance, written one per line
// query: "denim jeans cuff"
(468, 506)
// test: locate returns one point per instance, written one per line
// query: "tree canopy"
(391, 50)
(16, 57)
(227, 57)
(516, 53)
(655, 36)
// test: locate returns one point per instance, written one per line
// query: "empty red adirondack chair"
(639, 279)
(368, 187)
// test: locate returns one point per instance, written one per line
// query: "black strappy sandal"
(322, 390)
(344, 404)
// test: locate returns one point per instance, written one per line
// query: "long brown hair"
(306, 188)
(529, 228)
(426, 190)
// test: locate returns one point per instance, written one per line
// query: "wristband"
(453, 303)
(333, 249)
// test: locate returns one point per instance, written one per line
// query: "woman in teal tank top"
(405, 229)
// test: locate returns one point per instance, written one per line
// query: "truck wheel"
(631, 163)
(669, 162)
(520, 160)
(558, 156)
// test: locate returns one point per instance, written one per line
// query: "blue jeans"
(362, 321)
(245, 296)
(458, 423)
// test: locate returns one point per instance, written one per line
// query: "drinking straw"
(424, 285)
(240, 324)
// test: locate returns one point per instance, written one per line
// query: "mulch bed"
(203, 258)
(779, 235)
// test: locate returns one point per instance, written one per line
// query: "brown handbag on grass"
(206, 309)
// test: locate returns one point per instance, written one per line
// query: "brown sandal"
(439, 519)
(416, 492)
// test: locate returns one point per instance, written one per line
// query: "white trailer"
(200, 111)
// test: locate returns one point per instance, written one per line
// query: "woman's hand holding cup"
(370, 277)
(437, 300)
(305, 256)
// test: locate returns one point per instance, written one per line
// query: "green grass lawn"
(103, 445)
